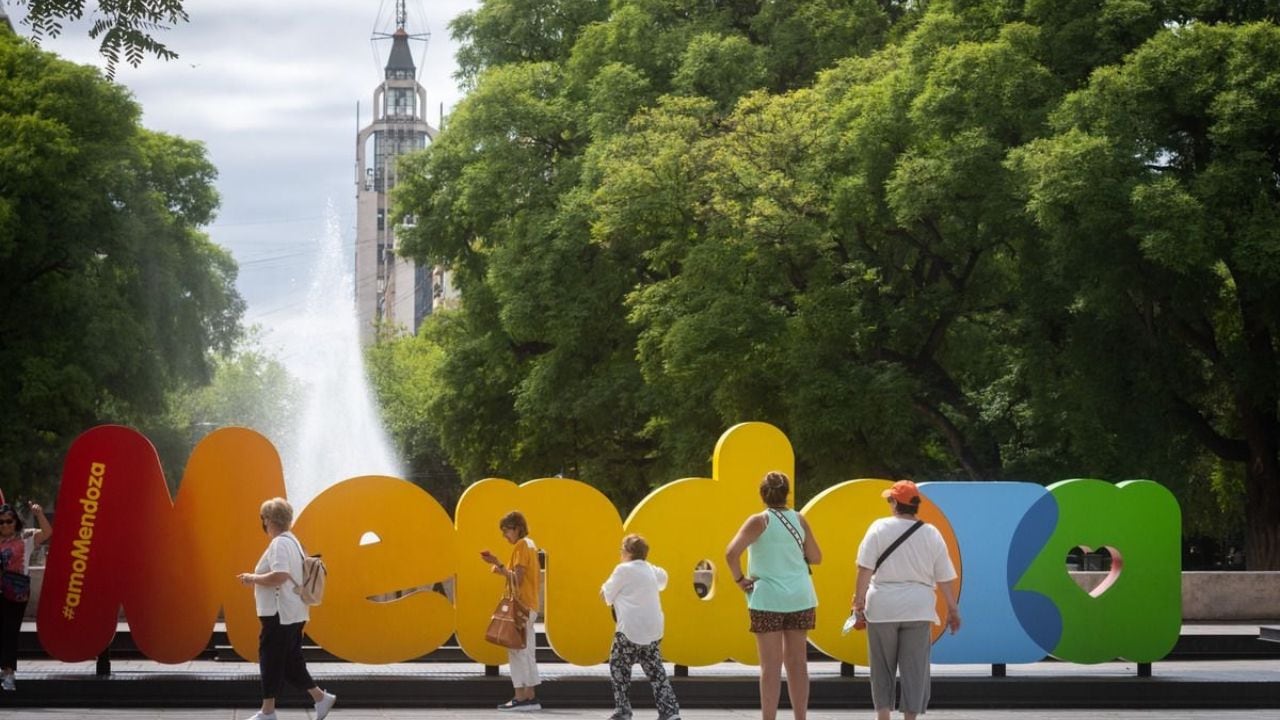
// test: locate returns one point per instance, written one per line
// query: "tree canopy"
(110, 296)
(979, 240)
(248, 387)
(1160, 190)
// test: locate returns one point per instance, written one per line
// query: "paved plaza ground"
(551, 714)
(1179, 689)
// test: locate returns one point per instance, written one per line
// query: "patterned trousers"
(622, 656)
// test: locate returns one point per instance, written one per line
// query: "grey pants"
(900, 647)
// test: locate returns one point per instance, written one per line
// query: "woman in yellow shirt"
(526, 572)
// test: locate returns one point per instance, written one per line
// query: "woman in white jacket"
(632, 591)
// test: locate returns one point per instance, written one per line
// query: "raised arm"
(46, 530)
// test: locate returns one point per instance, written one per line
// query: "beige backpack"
(314, 573)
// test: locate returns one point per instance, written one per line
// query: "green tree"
(803, 38)
(109, 296)
(404, 374)
(844, 279)
(248, 388)
(723, 68)
(124, 26)
(675, 216)
(514, 31)
(540, 375)
(1161, 215)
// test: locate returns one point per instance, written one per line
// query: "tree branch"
(1224, 447)
(953, 437)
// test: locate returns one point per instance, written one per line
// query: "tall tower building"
(389, 288)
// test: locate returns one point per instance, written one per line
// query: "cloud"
(272, 89)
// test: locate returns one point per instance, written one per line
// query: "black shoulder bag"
(901, 539)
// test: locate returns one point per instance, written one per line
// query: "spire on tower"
(400, 59)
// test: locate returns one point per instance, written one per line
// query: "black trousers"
(280, 657)
(10, 627)
(622, 656)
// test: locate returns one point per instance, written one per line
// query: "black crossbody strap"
(795, 534)
(901, 539)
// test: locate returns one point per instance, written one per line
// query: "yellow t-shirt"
(524, 553)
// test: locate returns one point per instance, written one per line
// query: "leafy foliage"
(909, 234)
(109, 296)
(248, 388)
(124, 27)
(1161, 185)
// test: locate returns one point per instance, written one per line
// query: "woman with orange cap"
(900, 562)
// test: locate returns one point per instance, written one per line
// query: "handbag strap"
(795, 534)
(901, 539)
(511, 592)
(298, 543)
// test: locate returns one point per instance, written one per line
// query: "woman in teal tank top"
(780, 596)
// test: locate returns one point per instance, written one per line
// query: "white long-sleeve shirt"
(633, 590)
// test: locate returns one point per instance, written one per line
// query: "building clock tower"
(390, 289)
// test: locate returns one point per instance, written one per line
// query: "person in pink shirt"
(15, 583)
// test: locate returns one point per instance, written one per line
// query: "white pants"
(524, 663)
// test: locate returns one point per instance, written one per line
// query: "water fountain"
(339, 433)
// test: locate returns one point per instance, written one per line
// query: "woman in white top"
(896, 594)
(632, 591)
(282, 613)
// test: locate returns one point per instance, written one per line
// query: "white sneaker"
(262, 716)
(325, 705)
(7, 683)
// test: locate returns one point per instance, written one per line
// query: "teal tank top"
(775, 560)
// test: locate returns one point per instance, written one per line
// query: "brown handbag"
(510, 618)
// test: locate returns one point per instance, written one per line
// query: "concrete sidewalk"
(430, 689)
(339, 713)
(1217, 668)
(1185, 670)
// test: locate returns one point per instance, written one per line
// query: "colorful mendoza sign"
(120, 541)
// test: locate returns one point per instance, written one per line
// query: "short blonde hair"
(278, 512)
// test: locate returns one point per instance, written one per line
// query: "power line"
(278, 221)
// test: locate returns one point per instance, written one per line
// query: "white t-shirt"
(284, 553)
(633, 590)
(902, 590)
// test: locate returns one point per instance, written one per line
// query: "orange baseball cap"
(903, 491)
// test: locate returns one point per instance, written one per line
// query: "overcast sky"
(271, 88)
